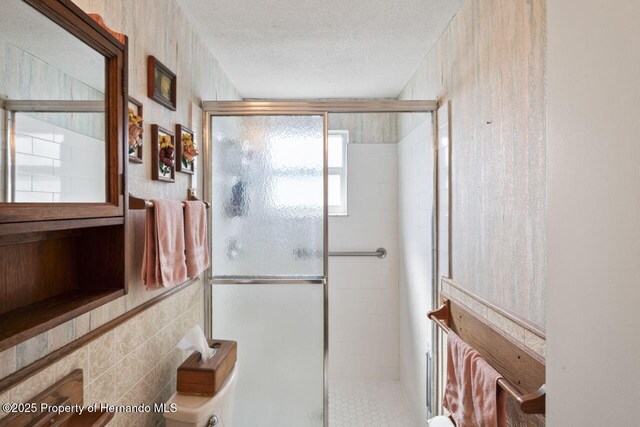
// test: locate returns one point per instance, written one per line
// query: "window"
(338, 140)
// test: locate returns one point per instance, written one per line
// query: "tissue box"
(206, 378)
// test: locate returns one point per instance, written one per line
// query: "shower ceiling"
(320, 49)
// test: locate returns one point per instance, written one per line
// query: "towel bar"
(380, 253)
(532, 403)
(136, 203)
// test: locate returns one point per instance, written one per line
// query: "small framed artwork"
(163, 154)
(135, 131)
(187, 150)
(161, 83)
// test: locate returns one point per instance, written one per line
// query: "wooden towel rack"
(136, 203)
(520, 368)
(66, 392)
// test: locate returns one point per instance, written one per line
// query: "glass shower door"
(269, 262)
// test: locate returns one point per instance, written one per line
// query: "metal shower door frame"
(300, 108)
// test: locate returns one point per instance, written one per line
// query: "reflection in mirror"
(52, 105)
(61, 162)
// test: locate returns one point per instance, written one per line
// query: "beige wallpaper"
(137, 358)
(490, 63)
(367, 128)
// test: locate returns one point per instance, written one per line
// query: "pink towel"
(195, 235)
(163, 263)
(471, 395)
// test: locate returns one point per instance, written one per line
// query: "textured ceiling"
(320, 49)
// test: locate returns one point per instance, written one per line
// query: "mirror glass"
(52, 105)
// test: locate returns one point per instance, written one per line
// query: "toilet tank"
(203, 411)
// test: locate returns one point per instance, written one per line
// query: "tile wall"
(55, 164)
(363, 291)
(134, 363)
(415, 160)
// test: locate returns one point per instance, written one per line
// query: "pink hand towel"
(471, 395)
(164, 263)
(195, 232)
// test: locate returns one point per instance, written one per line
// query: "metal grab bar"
(380, 253)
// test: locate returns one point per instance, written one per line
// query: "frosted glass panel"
(279, 330)
(268, 196)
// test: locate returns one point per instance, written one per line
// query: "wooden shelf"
(93, 419)
(60, 260)
(26, 322)
(42, 226)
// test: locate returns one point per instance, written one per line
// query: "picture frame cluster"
(171, 150)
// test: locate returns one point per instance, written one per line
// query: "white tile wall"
(415, 162)
(444, 183)
(363, 292)
(56, 164)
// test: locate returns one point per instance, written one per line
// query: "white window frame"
(341, 210)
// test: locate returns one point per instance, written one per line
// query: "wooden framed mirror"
(63, 133)
(64, 104)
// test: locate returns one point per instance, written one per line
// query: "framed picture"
(161, 83)
(135, 131)
(187, 150)
(163, 154)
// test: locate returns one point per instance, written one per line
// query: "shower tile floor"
(369, 403)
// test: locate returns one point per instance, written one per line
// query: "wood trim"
(119, 36)
(17, 377)
(70, 16)
(30, 227)
(13, 213)
(67, 391)
(534, 329)
(523, 371)
(280, 107)
(28, 321)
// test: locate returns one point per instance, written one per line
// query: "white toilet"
(203, 411)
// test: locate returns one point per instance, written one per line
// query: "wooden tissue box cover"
(206, 378)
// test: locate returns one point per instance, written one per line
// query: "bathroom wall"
(415, 163)
(490, 64)
(363, 291)
(594, 234)
(129, 359)
(133, 364)
(367, 128)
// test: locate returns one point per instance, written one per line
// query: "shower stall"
(267, 174)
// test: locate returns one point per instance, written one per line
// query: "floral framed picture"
(187, 150)
(161, 83)
(163, 154)
(135, 131)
